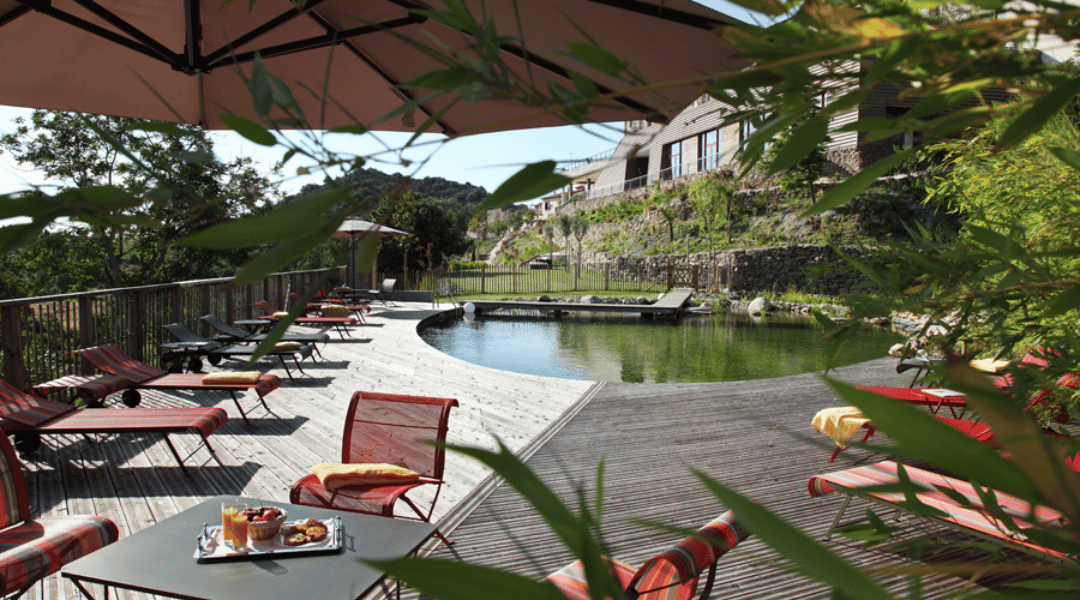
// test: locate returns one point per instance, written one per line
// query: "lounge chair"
(111, 360)
(317, 306)
(390, 429)
(672, 574)
(973, 518)
(385, 292)
(192, 346)
(234, 334)
(342, 324)
(32, 549)
(29, 417)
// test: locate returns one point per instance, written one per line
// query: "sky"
(486, 160)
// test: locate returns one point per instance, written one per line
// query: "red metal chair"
(670, 575)
(31, 549)
(386, 428)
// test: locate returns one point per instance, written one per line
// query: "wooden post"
(483, 278)
(230, 302)
(607, 276)
(138, 326)
(14, 367)
(695, 276)
(176, 298)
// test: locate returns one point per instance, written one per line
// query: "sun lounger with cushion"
(973, 518)
(110, 359)
(193, 345)
(670, 575)
(234, 334)
(33, 548)
(341, 324)
(29, 417)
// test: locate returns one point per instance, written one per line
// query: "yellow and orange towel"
(338, 475)
(232, 377)
(839, 423)
(287, 346)
(990, 365)
(336, 311)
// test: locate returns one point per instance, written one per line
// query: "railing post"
(230, 302)
(483, 278)
(607, 276)
(14, 367)
(177, 295)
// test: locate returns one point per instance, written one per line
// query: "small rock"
(758, 306)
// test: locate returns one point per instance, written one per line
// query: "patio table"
(160, 559)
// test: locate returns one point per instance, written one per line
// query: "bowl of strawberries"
(264, 521)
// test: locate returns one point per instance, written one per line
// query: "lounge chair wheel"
(214, 360)
(27, 442)
(131, 398)
(194, 365)
(176, 367)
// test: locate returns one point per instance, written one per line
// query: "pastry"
(295, 539)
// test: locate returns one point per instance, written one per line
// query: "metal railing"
(567, 165)
(667, 174)
(39, 334)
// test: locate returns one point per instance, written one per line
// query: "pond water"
(627, 348)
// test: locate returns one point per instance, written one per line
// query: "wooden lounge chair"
(386, 428)
(672, 574)
(32, 549)
(29, 417)
(341, 324)
(192, 346)
(234, 334)
(111, 360)
(973, 517)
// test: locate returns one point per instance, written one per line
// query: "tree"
(566, 227)
(580, 227)
(173, 186)
(434, 233)
(707, 193)
(805, 173)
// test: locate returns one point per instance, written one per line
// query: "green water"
(625, 348)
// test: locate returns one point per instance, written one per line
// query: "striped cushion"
(673, 573)
(34, 549)
(110, 359)
(92, 388)
(13, 499)
(267, 383)
(28, 410)
(975, 518)
(571, 579)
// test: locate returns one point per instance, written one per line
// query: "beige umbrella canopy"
(354, 229)
(187, 60)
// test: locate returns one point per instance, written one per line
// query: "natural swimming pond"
(627, 348)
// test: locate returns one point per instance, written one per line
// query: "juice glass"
(229, 510)
(239, 532)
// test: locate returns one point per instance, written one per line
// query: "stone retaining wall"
(744, 271)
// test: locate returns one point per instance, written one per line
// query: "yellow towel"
(337, 475)
(232, 377)
(839, 423)
(990, 365)
(335, 310)
(287, 346)
(281, 314)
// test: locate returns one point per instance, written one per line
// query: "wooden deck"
(137, 483)
(670, 305)
(753, 435)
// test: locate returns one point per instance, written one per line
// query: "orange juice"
(228, 513)
(239, 531)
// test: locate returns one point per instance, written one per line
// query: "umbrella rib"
(667, 14)
(149, 50)
(215, 56)
(315, 42)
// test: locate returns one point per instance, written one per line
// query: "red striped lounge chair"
(32, 549)
(29, 417)
(111, 360)
(341, 324)
(973, 518)
(386, 428)
(670, 575)
(317, 306)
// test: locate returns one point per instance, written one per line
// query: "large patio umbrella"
(187, 60)
(354, 229)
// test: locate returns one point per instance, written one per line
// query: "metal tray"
(210, 547)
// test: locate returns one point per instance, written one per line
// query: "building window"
(747, 129)
(709, 150)
(673, 157)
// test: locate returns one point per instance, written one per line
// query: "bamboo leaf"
(596, 57)
(255, 231)
(442, 79)
(249, 129)
(1038, 114)
(803, 141)
(534, 180)
(456, 580)
(1066, 155)
(261, 94)
(277, 258)
(855, 184)
(1064, 302)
